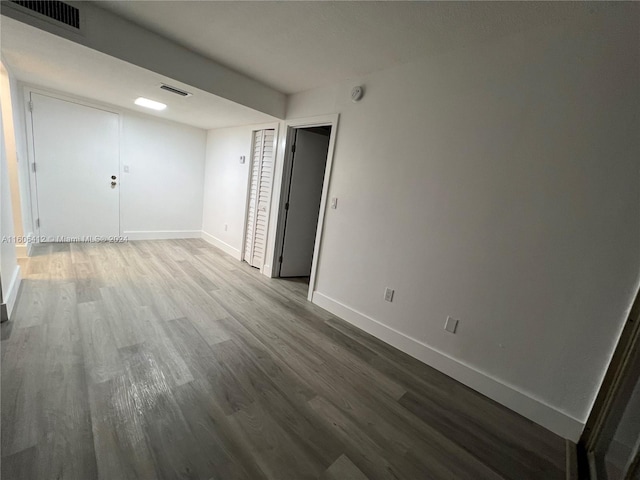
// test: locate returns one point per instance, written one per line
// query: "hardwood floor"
(171, 360)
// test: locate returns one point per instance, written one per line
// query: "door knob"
(113, 184)
(113, 177)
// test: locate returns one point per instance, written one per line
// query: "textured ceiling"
(46, 60)
(296, 46)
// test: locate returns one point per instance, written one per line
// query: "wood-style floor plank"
(119, 430)
(22, 377)
(169, 359)
(278, 455)
(20, 465)
(101, 356)
(343, 469)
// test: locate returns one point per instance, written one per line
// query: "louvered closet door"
(259, 196)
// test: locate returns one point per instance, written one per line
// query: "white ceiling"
(296, 46)
(291, 46)
(46, 60)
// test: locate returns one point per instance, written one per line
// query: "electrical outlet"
(334, 202)
(388, 294)
(451, 325)
(242, 159)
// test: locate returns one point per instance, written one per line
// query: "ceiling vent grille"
(175, 90)
(55, 10)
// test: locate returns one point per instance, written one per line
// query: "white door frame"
(284, 179)
(249, 163)
(27, 91)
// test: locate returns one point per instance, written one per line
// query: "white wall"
(19, 130)
(497, 184)
(9, 269)
(225, 186)
(10, 149)
(161, 196)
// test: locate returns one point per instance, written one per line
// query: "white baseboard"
(225, 247)
(552, 419)
(12, 291)
(160, 234)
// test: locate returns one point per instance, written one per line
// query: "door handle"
(113, 184)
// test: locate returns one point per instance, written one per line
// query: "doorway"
(76, 164)
(304, 179)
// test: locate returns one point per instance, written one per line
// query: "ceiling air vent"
(59, 11)
(175, 90)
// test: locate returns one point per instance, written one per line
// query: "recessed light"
(145, 102)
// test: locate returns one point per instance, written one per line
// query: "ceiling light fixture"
(145, 102)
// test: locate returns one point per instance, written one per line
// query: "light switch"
(126, 168)
(334, 202)
(242, 159)
(388, 294)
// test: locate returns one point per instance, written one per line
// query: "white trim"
(266, 270)
(534, 409)
(160, 234)
(12, 291)
(225, 247)
(284, 159)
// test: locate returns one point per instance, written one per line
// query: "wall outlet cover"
(451, 325)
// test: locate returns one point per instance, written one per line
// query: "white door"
(76, 155)
(303, 205)
(259, 196)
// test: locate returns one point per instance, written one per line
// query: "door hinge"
(280, 259)
(31, 105)
(33, 167)
(286, 206)
(37, 223)
(293, 148)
